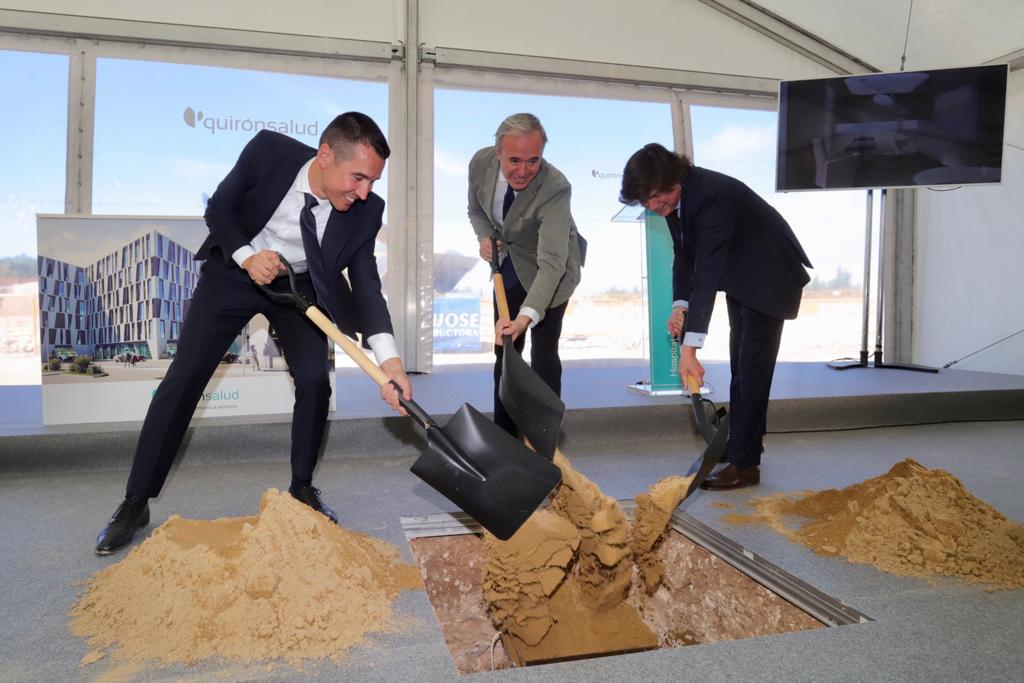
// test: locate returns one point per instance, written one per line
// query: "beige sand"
(580, 631)
(285, 584)
(558, 586)
(603, 562)
(522, 573)
(650, 519)
(911, 521)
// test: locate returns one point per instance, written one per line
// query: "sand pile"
(604, 542)
(558, 586)
(522, 573)
(285, 584)
(650, 519)
(911, 521)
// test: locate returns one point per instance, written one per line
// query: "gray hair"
(519, 124)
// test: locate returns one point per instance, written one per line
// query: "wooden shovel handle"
(499, 281)
(350, 348)
(499, 294)
(691, 384)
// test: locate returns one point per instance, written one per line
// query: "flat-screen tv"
(905, 129)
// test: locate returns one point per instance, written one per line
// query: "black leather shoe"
(310, 495)
(725, 476)
(130, 516)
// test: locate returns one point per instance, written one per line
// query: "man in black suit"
(725, 238)
(315, 207)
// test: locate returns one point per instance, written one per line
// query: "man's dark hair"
(354, 128)
(652, 169)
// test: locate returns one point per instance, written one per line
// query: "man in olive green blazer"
(521, 200)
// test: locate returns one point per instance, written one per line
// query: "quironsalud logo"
(211, 396)
(600, 175)
(192, 116)
(221, 395)
(216, 124)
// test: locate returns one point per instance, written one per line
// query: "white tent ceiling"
(943, 33)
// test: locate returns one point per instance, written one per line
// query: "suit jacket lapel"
(675, 222)
(490, 180)
(690, 195)
(336, 236)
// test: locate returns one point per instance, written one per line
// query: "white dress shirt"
(283, 234)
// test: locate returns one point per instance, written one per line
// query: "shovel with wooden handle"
(715, 449)
(491, 476)
(708, 426)
(531, 403)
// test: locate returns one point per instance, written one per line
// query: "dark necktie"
(507, 270)
(314, 257)
(510, 196)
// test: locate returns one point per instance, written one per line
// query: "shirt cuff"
(241, 254)
(694, 339)
(534, 315)
(681, 303)
(383, 345)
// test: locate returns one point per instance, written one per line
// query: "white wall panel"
(669, 34)
(943, 33)
(685, 35)
(377, 20)
(969, 278)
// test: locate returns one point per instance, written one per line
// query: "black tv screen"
(905, 129)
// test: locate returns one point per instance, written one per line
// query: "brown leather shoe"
(726, 476)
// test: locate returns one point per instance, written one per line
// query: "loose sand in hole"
(650, 519)
(602, 562)
(522, 573)
(558, 586)
(286, 584)
(911, 521)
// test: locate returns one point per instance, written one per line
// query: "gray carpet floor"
(50, 511)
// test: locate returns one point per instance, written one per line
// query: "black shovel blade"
(531, 403)
(712, 455)
(700, 415)
(505, 482)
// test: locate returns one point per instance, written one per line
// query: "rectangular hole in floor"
(715, 590)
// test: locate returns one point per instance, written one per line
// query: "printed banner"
(119, 401)
(456, 324)
(113, 292)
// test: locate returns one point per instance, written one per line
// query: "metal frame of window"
(91, 51)
(58, 46)
(460, 78)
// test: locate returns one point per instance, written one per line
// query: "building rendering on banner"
(131, 301)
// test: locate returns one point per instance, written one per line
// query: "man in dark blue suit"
(315, 207)
(725, 238)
